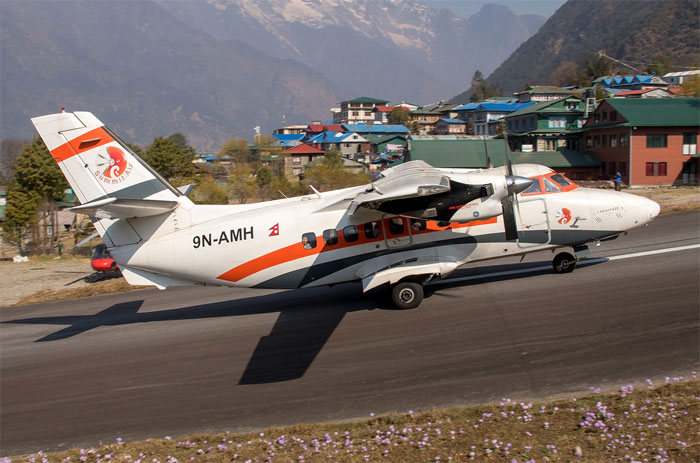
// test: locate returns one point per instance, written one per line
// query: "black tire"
(407, 295)
(564, 263)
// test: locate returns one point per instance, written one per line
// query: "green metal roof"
(545, 106)
(366, 99)
(655, 112)
(472, 154)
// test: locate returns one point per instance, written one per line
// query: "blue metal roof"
(453, 121)
(506, 107)
(466, 107)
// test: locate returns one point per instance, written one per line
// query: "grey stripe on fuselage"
(306, 275)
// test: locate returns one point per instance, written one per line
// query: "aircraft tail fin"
(116, 188)
(96, 163)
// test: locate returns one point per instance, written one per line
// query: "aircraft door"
(533, 226)
(396, 232)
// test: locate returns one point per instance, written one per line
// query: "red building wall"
(635, 154)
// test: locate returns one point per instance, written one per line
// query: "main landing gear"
(407, 294)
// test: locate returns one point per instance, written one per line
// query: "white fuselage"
(262, 245)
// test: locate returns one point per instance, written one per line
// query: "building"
(538, 93)
(357, 111)
(425, 119)
(546, 126)
(481, 154)
(488, 115)
(650, 141)
(633, 82)
(644, 93)
(450, 127)
(298, 157)
(679, 78)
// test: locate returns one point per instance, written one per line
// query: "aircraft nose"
(643, 209)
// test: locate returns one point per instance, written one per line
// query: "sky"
(467, 8)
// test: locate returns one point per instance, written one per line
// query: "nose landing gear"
(564, 263)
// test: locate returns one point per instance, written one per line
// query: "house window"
(613, 141)
(572, 105)
(588, 141)
(622, 167)
(612, 169)
(596, 117)
(623, 140)
(296, 160)
(355, 113)
(579, 122)
(296, 171)
(557, 122)
(605, 116)
(656, 140)
(656, 169)
(690, 143)
(596, 141)
(604, 139)
(613, 116)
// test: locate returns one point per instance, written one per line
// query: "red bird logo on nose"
(564, 216)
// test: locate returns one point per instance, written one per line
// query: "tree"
(481, 90)
(399, 115)
(37, 181)
(169, 159)
(569, 73)
(660, 65)
(243, 183)
(237, 149)
(331, 173)
(209, 192)
(691, 87)
(597, 66)
(10, 149)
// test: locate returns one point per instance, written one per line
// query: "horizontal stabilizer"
(121, 208)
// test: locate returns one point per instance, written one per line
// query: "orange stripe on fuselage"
(98, 137)
(297, 251)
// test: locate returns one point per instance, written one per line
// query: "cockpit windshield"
(549, 183)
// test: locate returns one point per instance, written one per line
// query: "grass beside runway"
(646, 423)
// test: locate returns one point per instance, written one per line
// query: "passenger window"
(418, 225)
(351, 234)
(330, 237)
(550, 186)
(308, 240)
(396, 226)
(561, 180)
(534, 188)
(372, 230)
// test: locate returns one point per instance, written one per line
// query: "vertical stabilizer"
(96, 163)
(112, 183)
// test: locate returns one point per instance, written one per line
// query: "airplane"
(412, 225)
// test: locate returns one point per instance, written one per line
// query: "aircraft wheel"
(407, 295)
(564, 263)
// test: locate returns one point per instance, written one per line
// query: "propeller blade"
(509, 223)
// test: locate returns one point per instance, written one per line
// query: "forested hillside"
(633, 31)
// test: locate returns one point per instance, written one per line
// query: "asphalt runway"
(155, 363)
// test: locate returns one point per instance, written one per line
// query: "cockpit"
(551, 182)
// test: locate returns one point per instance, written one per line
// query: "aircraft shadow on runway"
(307, 319)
